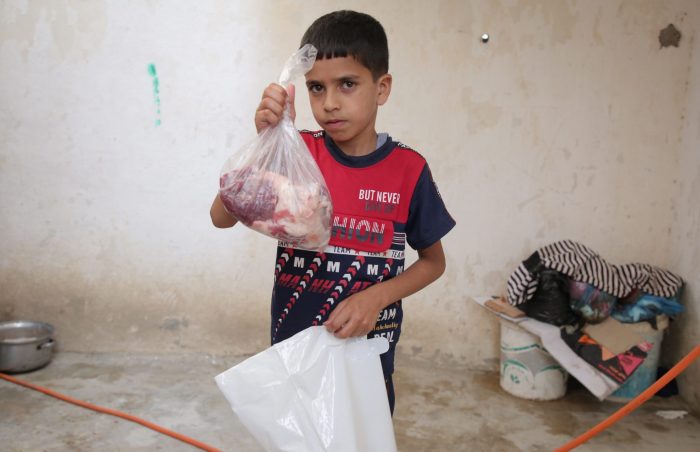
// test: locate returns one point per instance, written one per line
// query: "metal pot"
(25, 345)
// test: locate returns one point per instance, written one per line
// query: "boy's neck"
(360, 145)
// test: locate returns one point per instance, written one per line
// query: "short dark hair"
(349, 33)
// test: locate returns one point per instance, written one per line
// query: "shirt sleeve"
(428, 218)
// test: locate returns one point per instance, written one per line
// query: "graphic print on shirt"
(387, 320)
(346, 279)
(388, 323)
(354, 231)
(282, 261)
(302, 284)
(373, 230)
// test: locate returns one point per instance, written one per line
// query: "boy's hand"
(355, 316)
(274, 98)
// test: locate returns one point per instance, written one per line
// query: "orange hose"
(634, 403)
(112, 412)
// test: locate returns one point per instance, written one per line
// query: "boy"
(382, 191)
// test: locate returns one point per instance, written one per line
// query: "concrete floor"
(437, 410)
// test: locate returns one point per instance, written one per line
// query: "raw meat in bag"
(314, 392)
(273, 185)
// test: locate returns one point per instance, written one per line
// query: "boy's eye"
(315, 88)
(347, 84)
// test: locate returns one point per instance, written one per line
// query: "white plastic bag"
(314, 392)
(273, 185)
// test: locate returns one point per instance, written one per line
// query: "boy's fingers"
(265, 118)
(346, 330)
(343, 325)
(336, 320)
(269, 112)
(271, 104)
(331, 324)
(277, 94)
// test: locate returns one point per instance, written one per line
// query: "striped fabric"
(583, 264)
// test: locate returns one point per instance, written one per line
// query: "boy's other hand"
(355, 316)
(271, 107)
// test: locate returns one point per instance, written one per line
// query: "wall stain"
(156, 90)
(174, 324)
(669, 36)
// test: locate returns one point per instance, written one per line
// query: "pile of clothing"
(569, 285)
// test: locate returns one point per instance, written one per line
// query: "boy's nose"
(330, 102)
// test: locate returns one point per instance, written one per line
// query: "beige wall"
(572, 122)
(685, 236)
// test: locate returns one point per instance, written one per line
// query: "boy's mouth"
(334, 123)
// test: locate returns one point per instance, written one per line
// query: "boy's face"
(344, 101)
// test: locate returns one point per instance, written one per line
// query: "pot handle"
(48, 344)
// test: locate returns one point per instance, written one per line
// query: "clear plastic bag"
(314, 392)
(273, 185)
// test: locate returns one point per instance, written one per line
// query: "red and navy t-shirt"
(381, 201)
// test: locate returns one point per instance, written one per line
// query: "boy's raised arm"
(219, 216)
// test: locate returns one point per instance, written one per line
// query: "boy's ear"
(383, 88)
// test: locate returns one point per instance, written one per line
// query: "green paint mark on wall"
(156, 91)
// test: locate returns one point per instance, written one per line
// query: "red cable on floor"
(112, 412)
(634, 403)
